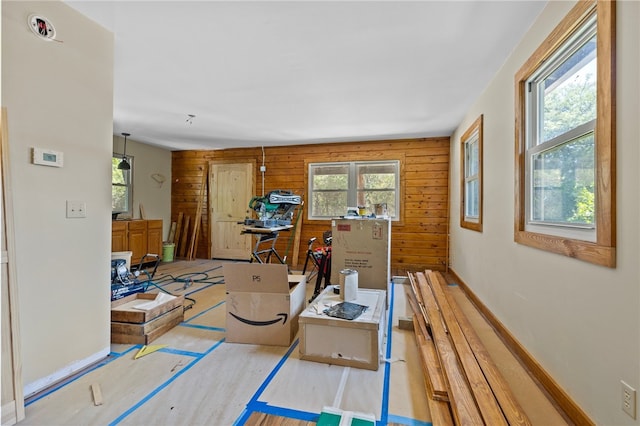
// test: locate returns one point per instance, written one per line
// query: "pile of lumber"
(464, 386)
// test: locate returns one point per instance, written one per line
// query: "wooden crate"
(122, 310)
(356, 343)
(134, 326)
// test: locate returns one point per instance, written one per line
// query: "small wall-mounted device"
(42, 27)
(47, 157)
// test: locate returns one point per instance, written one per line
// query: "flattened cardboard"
(263, 303)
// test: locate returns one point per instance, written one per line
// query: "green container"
(167, 252)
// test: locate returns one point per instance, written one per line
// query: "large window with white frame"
(335, 186)
(565, 139)
(471, 177)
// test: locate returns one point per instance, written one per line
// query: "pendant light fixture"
(124, 164)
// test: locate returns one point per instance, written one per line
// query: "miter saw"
(274, 209)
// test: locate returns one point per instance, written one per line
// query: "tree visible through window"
(565, 138)
(336, 186)
(121, 192)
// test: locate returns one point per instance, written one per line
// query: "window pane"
(329, 203)
(119, 198)
(471, 151)
(563, 183)
(330, 177)
(376, 184)
(471, 202)
(118, 176)
(370, 198)
(568, 94)
(120, 186)
(377, 176)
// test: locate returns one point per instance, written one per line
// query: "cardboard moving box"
(263, 303)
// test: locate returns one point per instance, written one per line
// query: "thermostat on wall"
(47, 157)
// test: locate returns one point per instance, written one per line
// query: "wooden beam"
(178, 231)
(480, 389)
(510, 407)
(463, 404)
(196, 222)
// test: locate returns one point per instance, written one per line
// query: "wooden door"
(231, 187)
(12, 406)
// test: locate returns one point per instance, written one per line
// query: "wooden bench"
(464, 386)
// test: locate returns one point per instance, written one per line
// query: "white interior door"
(232, 185)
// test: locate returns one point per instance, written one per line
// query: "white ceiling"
(269, 73)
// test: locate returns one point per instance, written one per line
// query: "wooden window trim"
(476, 126)
(603, 250)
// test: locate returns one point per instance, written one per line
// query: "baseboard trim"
(564, 401)
(43, 383)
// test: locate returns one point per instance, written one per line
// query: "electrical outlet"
(628, 399)
(76, 209)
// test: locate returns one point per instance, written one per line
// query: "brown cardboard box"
(350, 343)
(363, 245)
(263, 303)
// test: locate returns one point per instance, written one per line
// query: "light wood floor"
(200, 379)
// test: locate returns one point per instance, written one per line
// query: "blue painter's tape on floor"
(254, 400)
(202, 327)
(204, 312)
(163, 385)
(263, 407)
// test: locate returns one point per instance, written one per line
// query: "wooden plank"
(463, 405)
(296, 236)
(482, 393)
(172, 232)
(440, 413)
(510, 407)
(178, 231)
(434, 379)
(198, 217)
(136, 329)
(146, 338)
(183, 238)
(97, 394)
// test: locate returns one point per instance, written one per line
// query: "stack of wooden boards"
(464, 386)
(135, 326)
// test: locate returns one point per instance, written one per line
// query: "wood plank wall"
(418, 240)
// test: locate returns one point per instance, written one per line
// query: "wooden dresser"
(137, 236)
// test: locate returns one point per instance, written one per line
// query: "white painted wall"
(59, 95)
(580, 321)
(156, 198)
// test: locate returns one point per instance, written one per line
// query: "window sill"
(581, 250)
